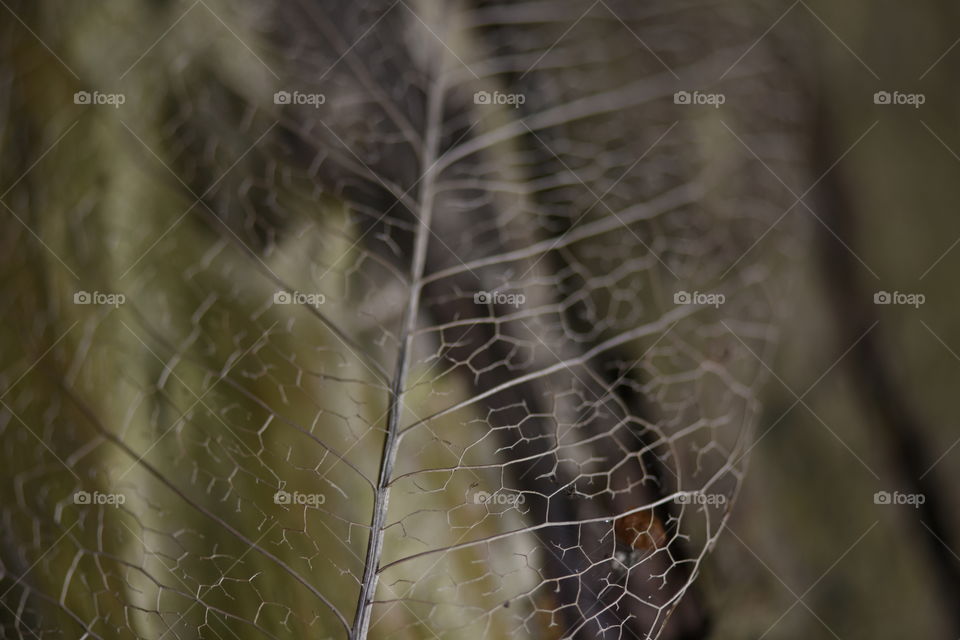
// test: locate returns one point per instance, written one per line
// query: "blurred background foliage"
(809, 496)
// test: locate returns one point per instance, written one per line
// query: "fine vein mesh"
(404, 354)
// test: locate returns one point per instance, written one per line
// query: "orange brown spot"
(641, 530)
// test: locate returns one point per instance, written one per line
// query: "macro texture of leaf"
(404, 348)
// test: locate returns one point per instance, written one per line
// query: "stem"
(371, 569)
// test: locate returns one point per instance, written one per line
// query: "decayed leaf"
(427, 307)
